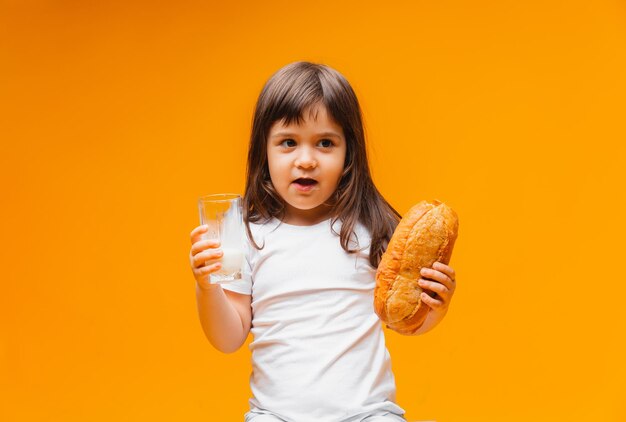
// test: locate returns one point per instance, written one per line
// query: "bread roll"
(425, 234)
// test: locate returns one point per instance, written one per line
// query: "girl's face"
(315, 150)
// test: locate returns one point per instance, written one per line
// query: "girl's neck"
(297, 217)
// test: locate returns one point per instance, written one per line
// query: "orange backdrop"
(116, 116)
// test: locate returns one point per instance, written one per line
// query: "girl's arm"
(225, 316)
(433, 318)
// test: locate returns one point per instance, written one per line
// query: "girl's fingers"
(198, 232)
(207, 257)
(432, 302)
(210, 268)
(433, 286)
(437, 276)
(203, 244)
(447, 270)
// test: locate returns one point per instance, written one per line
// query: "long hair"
(285, 96)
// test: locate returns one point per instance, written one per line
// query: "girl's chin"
(303, 206)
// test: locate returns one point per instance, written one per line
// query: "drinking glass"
(222, 213)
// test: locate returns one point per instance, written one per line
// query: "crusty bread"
(425, 234)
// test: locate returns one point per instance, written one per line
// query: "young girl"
(317, 228)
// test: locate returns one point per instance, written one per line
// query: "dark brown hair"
(286, 95)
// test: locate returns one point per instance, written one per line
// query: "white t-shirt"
(319, 351)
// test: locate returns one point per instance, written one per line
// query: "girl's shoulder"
(260, 229)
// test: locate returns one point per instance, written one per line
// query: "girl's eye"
(325, 143)
(288, 140)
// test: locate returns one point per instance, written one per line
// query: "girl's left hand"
(439, 279)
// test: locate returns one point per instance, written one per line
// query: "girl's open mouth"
(304, 185)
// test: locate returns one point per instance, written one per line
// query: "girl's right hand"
(204, 257)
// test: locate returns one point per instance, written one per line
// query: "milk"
(232, 261)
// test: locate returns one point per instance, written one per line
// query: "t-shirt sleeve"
(243, 285)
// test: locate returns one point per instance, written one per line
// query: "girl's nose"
(306, 160)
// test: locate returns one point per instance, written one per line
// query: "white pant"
(256, 415)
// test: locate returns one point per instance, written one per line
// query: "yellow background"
(117, 116)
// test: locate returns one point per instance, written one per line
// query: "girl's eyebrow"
(331, 134)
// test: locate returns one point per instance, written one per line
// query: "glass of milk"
(222, 213)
